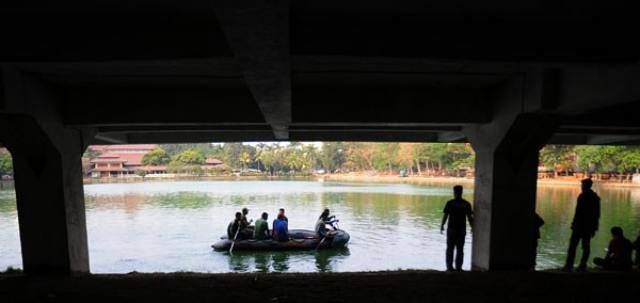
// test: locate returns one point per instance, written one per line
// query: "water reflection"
(169, 226)
(282, 261)
(325, 258)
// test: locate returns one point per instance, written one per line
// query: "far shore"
(417, 180)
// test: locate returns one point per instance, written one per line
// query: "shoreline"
(393, 179)
(390, 286)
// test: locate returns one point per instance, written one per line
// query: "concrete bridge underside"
(506, 76)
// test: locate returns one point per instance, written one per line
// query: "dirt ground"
(396, 286)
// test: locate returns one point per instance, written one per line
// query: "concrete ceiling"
(200, 71)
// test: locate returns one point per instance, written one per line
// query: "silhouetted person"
(636, 246)
(619, 253)
(234, 226)
(457, 211)
(584, 225)
(261, 231)
(244, 222)
(537, 224)
(321, 224)
(245, 229)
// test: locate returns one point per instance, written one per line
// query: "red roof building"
(212, 162)
(122, 160)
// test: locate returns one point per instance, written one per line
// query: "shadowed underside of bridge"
(506, 76)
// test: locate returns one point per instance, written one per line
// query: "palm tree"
(245, 159)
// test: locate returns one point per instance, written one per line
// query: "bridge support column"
(50, 197)
(505, 191)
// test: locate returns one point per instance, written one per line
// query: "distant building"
(121, 160)
(212, 163)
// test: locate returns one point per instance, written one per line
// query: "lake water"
(165, 226)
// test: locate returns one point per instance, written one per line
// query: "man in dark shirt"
(234, 227)
(584, 225)
(457, 211)
(619, 252)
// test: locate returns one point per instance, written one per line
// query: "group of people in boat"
(584, 227)
(241, 229)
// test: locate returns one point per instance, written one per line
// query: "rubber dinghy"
(299, 239)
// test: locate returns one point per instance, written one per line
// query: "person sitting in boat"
(245, 225)
(234, 227)
(261, 231)
(281, 228)
(321, 224)
(281, 213)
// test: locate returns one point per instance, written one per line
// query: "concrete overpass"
(506, 76)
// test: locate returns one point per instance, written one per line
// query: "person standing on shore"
(456, 211)
(584, 225)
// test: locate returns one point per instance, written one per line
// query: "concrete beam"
(451, 137)
(258, 33)
(588, 89)
(613, 140)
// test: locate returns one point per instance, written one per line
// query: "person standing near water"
(584, 225)
(456, 211)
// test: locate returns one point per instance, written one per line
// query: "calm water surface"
(169, 226)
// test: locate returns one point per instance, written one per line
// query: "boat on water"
(299, 239)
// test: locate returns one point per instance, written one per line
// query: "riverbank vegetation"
(421, 159)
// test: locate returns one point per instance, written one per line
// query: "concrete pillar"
(50, 197)
(48, 174)
(506, 169)
(505, 194)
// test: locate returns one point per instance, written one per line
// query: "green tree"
(332, 156)
(629, 158)
(245, 159)
(557, 156)
(232, 154)
(385, 156)
(189, 156)
(141, 172)
(157, 156)
(6, 163)
(359, 155)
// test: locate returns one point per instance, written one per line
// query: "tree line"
(330, 157)
(432, 159)
(614, 161)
